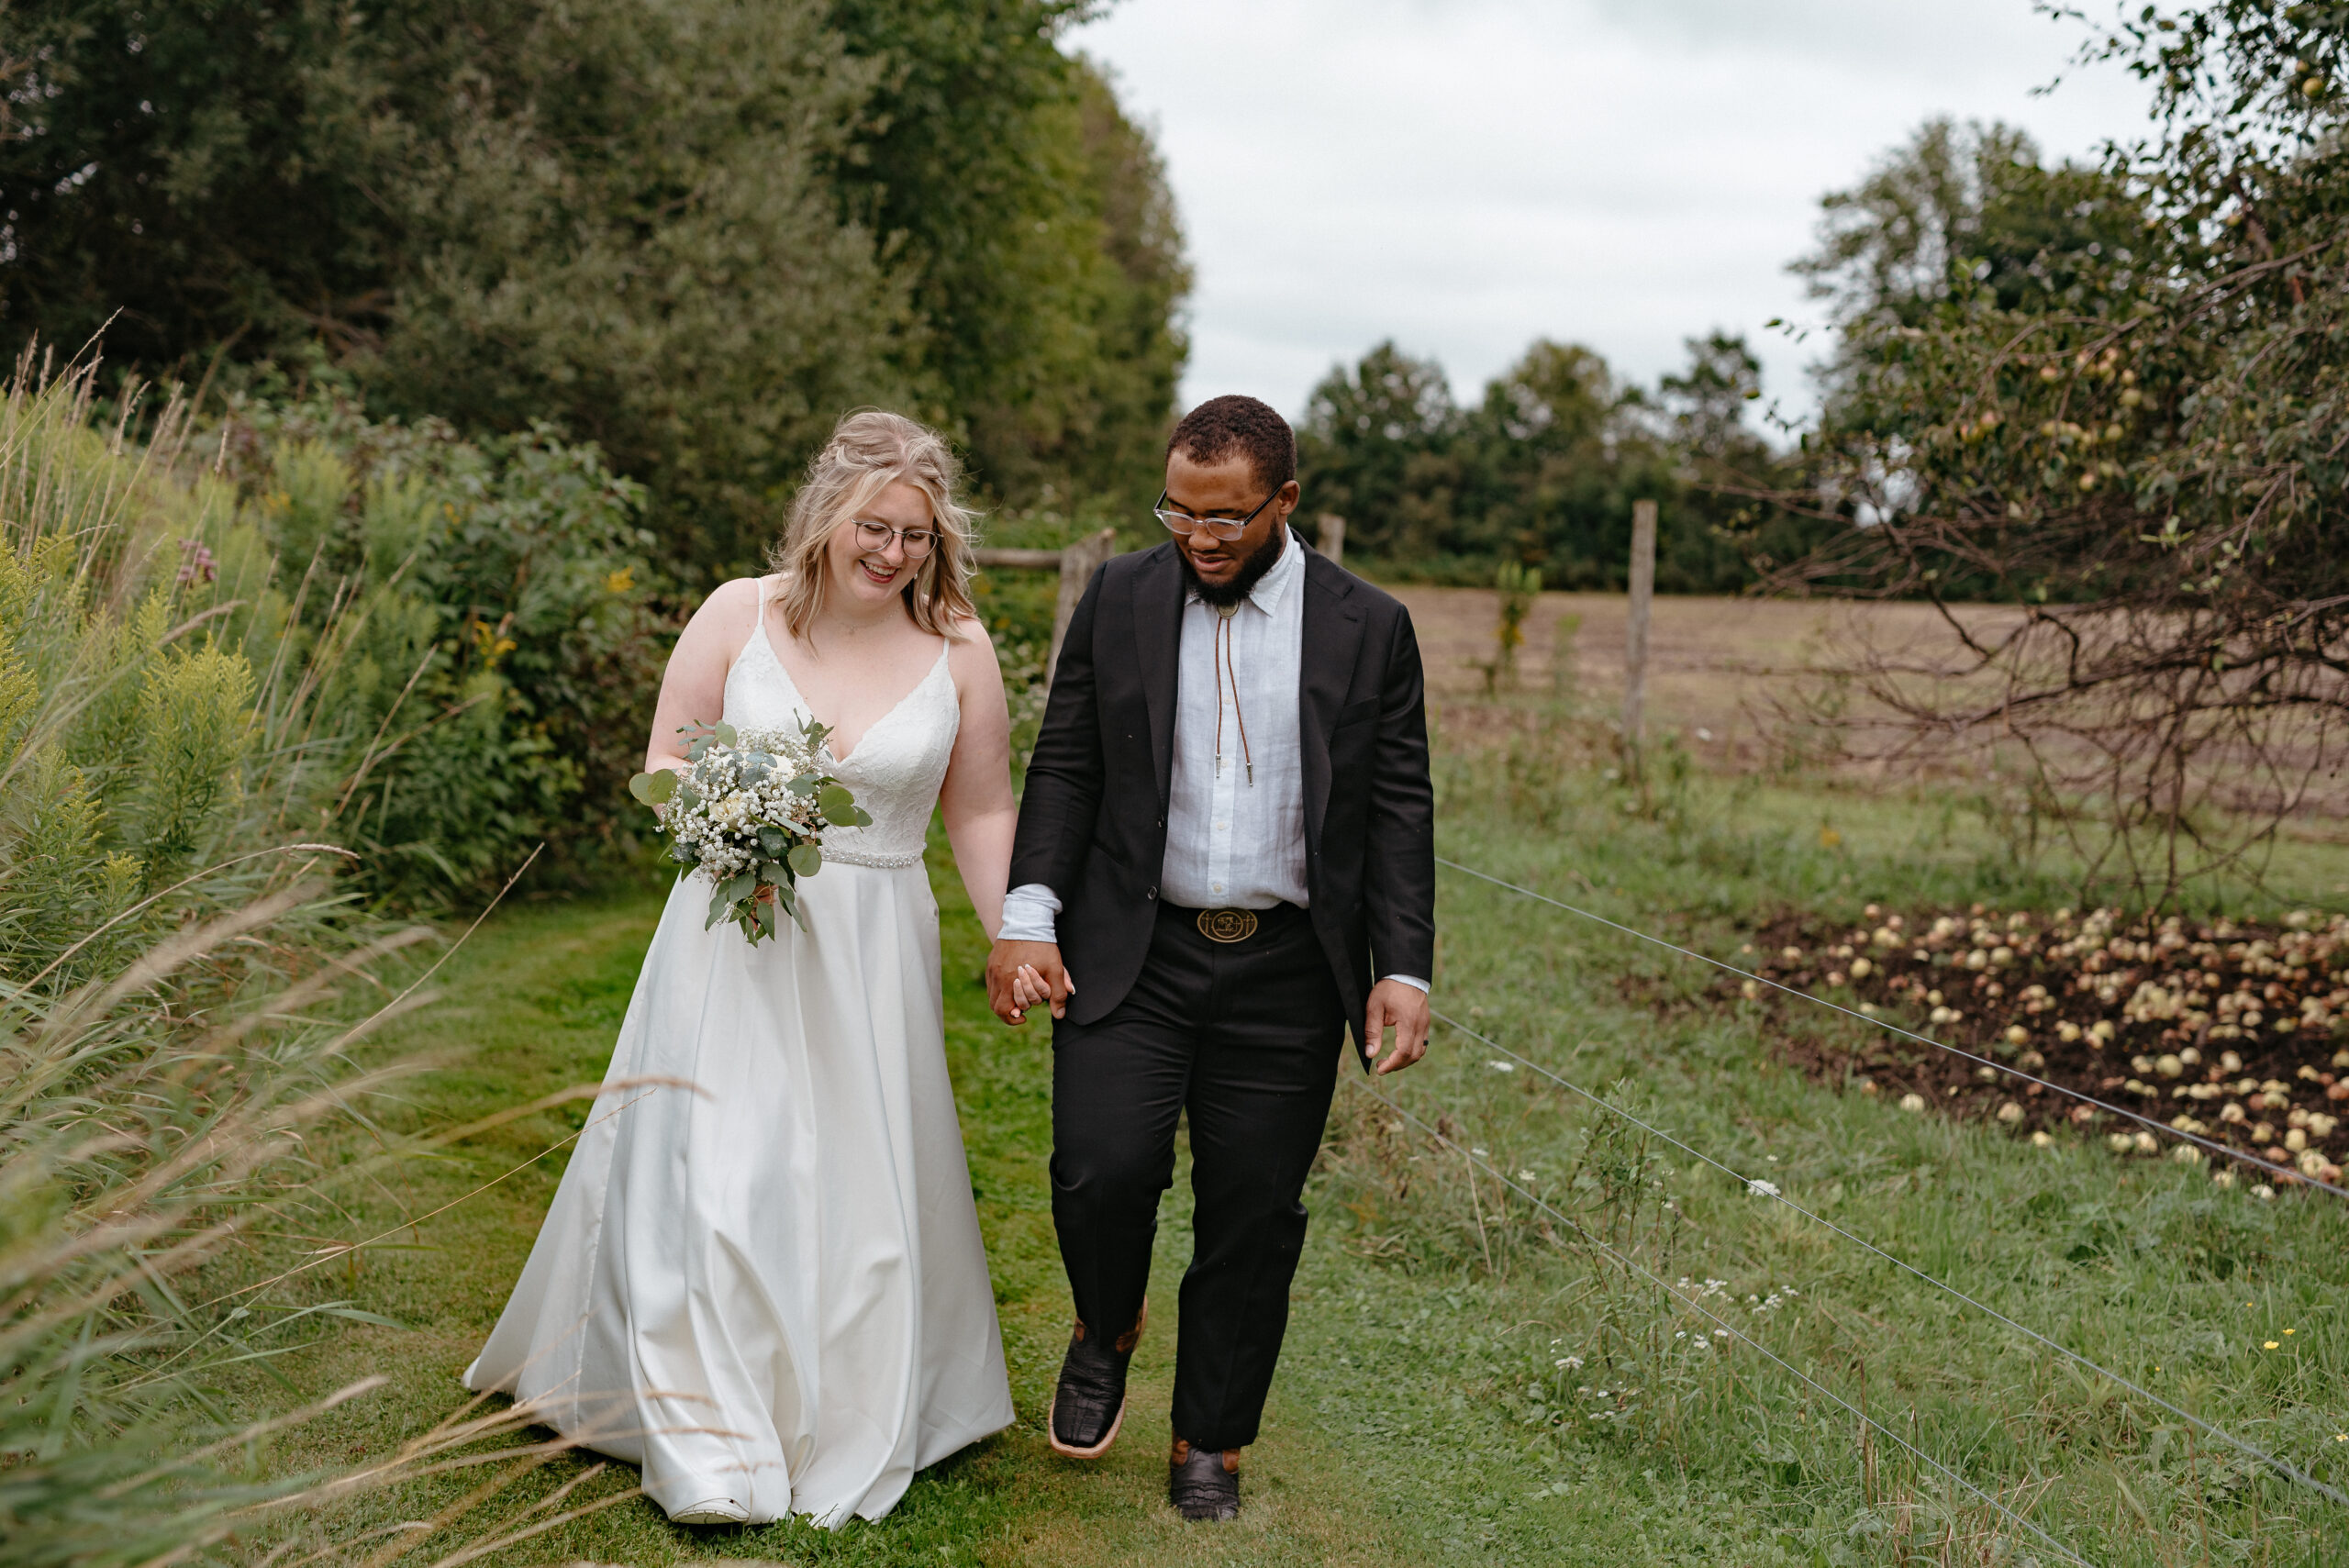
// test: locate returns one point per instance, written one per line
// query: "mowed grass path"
(1391, 1469)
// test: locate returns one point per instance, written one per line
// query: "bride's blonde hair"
(870, 451)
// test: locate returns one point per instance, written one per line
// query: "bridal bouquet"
(749, 812)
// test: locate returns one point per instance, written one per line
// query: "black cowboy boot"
(1090, 1402)
(1204, 1484)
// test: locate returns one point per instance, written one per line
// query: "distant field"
(1715, 665)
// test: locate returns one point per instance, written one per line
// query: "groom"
(1225, 857)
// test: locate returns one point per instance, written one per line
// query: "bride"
(763, 1281)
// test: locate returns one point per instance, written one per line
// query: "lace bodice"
(895, 770)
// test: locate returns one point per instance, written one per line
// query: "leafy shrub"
(496, 646)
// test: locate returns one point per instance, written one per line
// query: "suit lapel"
(1158, 652)
(1333, 639)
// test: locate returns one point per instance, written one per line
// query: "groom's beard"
(1252, 572)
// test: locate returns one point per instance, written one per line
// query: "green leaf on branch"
(807, 860)
(653, 788)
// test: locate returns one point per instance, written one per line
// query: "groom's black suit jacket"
(1093, 822)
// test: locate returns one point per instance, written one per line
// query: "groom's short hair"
(1224, 426)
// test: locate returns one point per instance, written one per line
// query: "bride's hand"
(1028, 988)
(1021, 976)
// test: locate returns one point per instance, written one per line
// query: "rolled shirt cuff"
(1413, 981)
(1028, 915)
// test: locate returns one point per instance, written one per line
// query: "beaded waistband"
(876, 861)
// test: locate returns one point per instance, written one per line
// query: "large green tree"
(1033, 221)
(694, 230)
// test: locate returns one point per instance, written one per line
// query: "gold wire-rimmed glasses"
(917, 542)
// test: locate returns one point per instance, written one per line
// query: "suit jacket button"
(1153, 893)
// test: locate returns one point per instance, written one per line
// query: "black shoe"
(1204, 1484)
(1089, 1406)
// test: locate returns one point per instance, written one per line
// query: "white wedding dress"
(769, 1287)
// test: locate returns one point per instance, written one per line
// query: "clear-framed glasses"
(918, 542)
(1184, 524)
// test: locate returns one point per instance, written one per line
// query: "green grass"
(1420, 1413)
(1344, 1472)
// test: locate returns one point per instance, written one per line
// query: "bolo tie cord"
(1227, 664)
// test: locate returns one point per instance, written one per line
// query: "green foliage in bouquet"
(755, 855)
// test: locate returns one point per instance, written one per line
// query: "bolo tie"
(1226, 666)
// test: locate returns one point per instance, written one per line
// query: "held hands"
(1021, 976)
(1392, 1005)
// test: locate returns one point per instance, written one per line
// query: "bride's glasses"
(1227, 528)
(918, 542)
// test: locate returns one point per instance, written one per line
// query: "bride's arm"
(693, 688)
(977, 801)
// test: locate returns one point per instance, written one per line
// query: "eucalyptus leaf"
(807, 860)
(723, 733)
(773, 841)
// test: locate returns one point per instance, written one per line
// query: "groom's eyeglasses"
(1226, 529)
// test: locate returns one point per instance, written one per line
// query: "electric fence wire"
(1537, 1201)
(2261, 1166)
(1769, 1190)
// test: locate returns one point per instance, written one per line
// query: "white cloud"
(1466, 175)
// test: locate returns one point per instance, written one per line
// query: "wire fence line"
(1471, 1157)
(1769, 1189)
(2162, 1128)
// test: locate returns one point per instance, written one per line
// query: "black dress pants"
(1245, 1037)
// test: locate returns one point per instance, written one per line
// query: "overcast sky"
(1467, 176)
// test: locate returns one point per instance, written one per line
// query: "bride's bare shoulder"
(722, 622)
(737, 601)
(970, 656)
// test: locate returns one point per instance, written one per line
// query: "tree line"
(1542, 470)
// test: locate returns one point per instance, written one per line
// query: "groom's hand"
(1012, 996)
(1401, 1008)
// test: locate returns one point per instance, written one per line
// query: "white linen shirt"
(1235, 832)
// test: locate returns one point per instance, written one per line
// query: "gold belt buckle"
(1227, 924)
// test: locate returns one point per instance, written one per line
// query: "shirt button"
(1218, 887)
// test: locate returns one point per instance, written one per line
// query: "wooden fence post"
(1333, 542)
(1078, 563)
(1635, 625)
